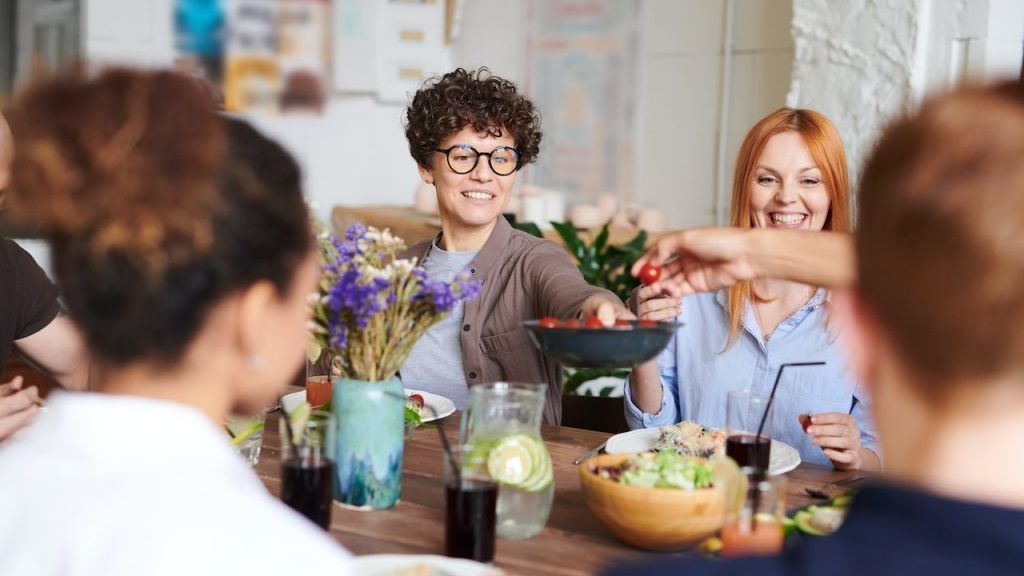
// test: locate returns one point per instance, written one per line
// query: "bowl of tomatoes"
(589, 344)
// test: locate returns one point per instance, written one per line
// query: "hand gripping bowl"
(614, 347)
(657, 518)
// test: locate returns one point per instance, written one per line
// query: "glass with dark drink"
(307, 470)
(471, 501)
(748, 450)
(745, 411)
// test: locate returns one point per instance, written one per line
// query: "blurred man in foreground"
(933, 320)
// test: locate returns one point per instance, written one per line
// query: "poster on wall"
(263, 56)
(389, 47)
(200, 30)
(302, 52)
(583, 63)
(411, 46)
(354, 49)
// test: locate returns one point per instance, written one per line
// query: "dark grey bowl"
(616, 347)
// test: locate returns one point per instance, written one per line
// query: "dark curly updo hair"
(155, 206)
(479, 99)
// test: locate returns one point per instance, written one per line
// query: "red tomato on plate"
(646, 323)
(418, 399)
(571, 324)
(650, 273)
(593, 322)
(548, 322)
(623, 323)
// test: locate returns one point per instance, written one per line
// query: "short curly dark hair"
(475, 98)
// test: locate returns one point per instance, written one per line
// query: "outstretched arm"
(708, 259)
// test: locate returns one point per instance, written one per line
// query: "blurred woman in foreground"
(182, 245)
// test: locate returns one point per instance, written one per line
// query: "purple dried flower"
(355, 232)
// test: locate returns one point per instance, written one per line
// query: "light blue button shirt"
(697, 373)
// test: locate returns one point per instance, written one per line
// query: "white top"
(121, 485)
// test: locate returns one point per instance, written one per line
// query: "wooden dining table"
(574, 542)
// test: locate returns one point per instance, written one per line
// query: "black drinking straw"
(771, 397)
(758, 472)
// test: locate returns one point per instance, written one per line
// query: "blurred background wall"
(700, 73)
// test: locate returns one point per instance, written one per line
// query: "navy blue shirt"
(889, 530)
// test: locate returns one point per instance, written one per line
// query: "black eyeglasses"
(462, 159)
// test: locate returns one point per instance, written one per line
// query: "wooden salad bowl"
(652, 518)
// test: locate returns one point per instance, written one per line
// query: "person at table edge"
(31, 322)
(932, 318)
(470, 132)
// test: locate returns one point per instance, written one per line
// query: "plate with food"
(823, 519)
(416, 400)
(420, 565)
(691, 439)
(588, 344)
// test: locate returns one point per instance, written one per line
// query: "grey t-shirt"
(435, 363)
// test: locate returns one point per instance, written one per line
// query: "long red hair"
(826, 148)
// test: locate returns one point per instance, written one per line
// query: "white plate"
(783, 459)
(381, 564)
(440, 404)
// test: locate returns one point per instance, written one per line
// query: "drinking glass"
(307, 467)
(744, 412)
(471, 499)
(246, 432)
(319, 380)
(756, 528)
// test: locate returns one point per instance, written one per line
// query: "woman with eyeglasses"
(470, 132)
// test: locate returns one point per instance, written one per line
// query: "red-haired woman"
(790, 174)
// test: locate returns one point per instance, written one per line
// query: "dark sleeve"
(34, 296)
(560, 287)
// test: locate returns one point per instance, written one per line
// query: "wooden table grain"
(573, 543)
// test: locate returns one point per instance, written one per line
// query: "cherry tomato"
(805, 421)
(593, 322)
(646, 323)
(571, 324)
(417, 399)
(650, 273)
(623, 323)
(548, 322)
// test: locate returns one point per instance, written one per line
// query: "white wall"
(860, 62)
(682, 94)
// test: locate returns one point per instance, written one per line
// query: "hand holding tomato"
(838, 437)
(653, 305)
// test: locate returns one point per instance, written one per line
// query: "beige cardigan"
(524, 278)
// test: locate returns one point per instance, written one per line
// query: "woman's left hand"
(838, 436)
(605, 309)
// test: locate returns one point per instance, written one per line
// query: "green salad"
(666, 469)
